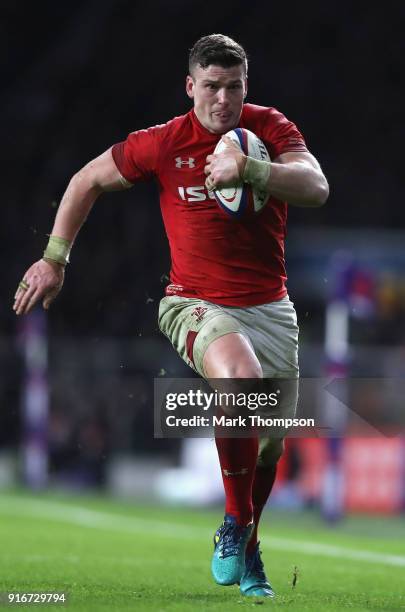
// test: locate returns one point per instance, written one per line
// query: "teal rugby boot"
(230, 541)
(254, 582)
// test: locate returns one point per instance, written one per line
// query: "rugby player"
(226, 309)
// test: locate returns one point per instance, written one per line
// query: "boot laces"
(229, 543)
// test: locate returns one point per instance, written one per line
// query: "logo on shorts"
(199, 313)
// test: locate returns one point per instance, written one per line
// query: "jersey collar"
(203, 130)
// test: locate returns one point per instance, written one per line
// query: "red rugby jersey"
(235, 262)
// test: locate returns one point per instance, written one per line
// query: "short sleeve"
(278, 133)
(137, 158)
(282, 134)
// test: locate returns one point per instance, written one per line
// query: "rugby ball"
(241, 200)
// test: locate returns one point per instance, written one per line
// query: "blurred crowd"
(85, 74)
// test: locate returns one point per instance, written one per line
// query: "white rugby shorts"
(271, 329)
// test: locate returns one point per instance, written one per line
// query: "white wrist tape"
(257, 173)
(58, 250)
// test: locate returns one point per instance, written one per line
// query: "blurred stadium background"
(76, 387)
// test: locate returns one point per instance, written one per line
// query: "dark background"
(78, 76)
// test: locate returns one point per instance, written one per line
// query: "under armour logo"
(185, 162)
(242, 472)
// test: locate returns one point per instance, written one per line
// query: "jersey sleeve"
(282, 135)
(137, 157)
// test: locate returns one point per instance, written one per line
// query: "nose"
(222, 96)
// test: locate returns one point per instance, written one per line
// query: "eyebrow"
(215, 82)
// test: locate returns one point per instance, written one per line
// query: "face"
(218, 95)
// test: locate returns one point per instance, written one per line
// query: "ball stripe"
(243, 141)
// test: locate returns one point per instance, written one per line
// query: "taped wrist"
(257, 173)
(58, 249)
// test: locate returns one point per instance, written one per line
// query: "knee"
(270, 451)
(243, 369)
(231, 356)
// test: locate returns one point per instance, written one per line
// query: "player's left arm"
(296, 178)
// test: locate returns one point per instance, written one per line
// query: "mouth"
(222, 115)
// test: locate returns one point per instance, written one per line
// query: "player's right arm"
(45, 277)
(99, 175)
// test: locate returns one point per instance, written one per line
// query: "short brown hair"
(219, 50)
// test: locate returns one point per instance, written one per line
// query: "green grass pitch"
(116, 555)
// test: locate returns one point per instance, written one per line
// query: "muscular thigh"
(273, 332)
(192, 325)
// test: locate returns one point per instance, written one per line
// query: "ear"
(190, 86)
(246, 88)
